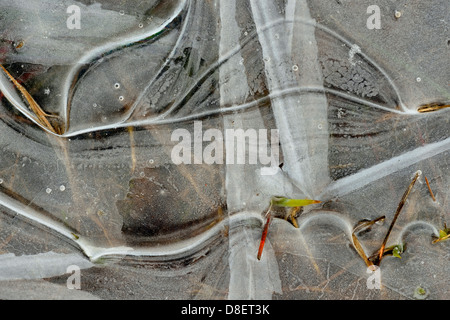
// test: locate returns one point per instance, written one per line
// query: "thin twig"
(356, 242)
(429, 188)
(444, 234)
(292, 214)
(432, 107)
(132, 149)
(397, 213)
(264, 234)
(34, 106)
(360, 250)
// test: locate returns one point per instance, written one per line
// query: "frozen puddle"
(87, 144)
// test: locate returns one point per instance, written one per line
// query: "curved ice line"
(274, 95)
(324, 217)
(183, 247)
(226, 110)
(12, 97)
(222, 59)
(94, 252)
(347, 42)
(160, 119)
(391, 83)
(413, 224)
(35, 216)
(89, 56)
(92, 54)
(378, 67)
(236, 49)
(166, 62)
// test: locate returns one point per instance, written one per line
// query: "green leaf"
(396, 252)
(75, 236)
(286, 202)
(442, 233)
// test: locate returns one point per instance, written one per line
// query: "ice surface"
(42, 265)
(98, 187)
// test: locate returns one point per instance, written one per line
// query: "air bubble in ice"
(48, 190)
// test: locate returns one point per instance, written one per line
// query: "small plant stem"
(429, 188)
(397, 213)
(264, 234)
